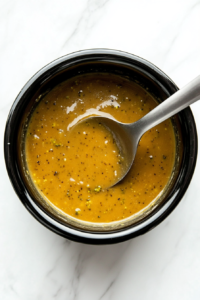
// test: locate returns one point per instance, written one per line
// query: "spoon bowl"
(126, 137)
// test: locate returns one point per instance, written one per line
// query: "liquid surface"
(73, 166)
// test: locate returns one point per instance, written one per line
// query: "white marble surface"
(34, 262)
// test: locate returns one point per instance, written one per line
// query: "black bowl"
(98, 60)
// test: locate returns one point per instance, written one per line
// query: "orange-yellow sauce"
(73, 166)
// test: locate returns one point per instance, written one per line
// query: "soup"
(74, 165)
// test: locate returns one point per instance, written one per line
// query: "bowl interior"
(95, 67)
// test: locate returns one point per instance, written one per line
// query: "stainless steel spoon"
(128, 136)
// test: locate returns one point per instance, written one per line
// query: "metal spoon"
(128, 136)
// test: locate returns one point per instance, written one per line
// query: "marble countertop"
(35, 263)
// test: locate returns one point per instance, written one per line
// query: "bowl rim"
(78, 234)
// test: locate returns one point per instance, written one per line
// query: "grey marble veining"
(35, 263)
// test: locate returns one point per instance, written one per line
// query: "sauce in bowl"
(73, 167)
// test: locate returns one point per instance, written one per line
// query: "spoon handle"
(175, 103)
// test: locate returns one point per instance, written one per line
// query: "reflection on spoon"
(93, 111)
